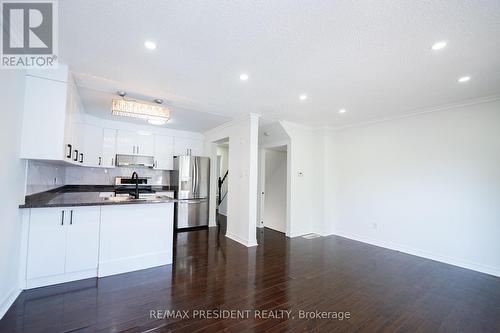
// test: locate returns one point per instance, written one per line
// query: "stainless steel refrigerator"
(191, 175)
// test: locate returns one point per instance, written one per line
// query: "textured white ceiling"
(373, 58)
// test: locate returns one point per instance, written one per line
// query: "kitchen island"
(71, 234)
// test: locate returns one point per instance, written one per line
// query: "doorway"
(222, 179)
(274, 194)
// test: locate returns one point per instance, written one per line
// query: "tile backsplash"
(101, 176)
(44, 176)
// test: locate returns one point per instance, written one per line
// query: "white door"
(108, 148)
(47, 242)
(125, 142)
(82, 249)
(164, 152)
(145, 144)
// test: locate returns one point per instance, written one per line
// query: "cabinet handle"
(76, 155)
(62, 217)
(112, 161)
(70, 151)
(137, 150)
(99, 160)
(71, 217)
(134, 150)
(81, 157)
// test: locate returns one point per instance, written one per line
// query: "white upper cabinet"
(52, 108)
(125, 142)
(145, 144)
(56, 128)
(181, 146)
(164, 151)
(44, 119)
(92, 145)
(134, 143)
(108, 148)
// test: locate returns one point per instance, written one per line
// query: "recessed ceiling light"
(342, 111)
(150, 45)
(464, 79)
(157, 122)
(243, 77)
(303, 97)
(439, 45)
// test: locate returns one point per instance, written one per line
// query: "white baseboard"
(61, 278)
(247, 243)
(130, 264)
(495, 271)
(7, 302)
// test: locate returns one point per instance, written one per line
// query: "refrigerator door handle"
(193, 178)
(196, 166)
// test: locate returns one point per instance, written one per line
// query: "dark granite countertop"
(88, 195)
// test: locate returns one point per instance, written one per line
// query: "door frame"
(262, 181)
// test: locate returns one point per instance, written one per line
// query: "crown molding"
(418, 112)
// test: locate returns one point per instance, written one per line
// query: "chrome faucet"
(136, 177)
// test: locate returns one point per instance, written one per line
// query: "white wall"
(305, 179)
(12, 176)
(243, 159)
(427, 185)
(275, 190)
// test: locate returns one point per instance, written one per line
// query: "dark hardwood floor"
(383, 290)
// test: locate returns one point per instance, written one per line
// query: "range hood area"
(134, 161)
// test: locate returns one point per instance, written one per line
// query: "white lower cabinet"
(135, 237)
(63, 245)
(47, 243)
(72, 243)
(82, 239)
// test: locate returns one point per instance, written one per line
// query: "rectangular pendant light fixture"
(134, 109)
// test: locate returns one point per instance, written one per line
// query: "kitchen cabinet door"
(125, 142)
(145, 143)
(164, 152)
(82, 245)
(44, 123)
(181, 146)
(108, 148)
(92, 145)
(47, 243)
